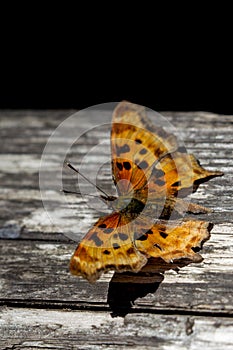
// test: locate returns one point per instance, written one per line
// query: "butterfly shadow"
(126, 287)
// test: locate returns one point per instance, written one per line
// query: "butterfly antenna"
(90, 182)
(74, 192)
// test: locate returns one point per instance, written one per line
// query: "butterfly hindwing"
(172, 240)
(108, 245)
(127, 247)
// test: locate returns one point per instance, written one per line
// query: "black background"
(49, 63)
(79, 85)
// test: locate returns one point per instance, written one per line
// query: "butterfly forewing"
(136, 145)
(178, 172)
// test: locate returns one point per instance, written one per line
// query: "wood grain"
(66, 329)
(159, 306)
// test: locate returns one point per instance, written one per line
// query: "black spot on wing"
(176, 184)
(108, 230)
(157, 152)
(143, 164)
(159, 182)
(96, 239)
(142, 238)
(130, 250)
(123, 236)
(149, 232)
(122, 149)
(163, 234)
(115, 246)
(127, 165)
(119, 166)
(107, 252)
(138, 141)
(102, 225)
(143, 151)
(158, 173)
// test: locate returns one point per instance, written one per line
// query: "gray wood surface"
(43, 306)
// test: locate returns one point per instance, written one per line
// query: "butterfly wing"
(176, 176)
(108, 245)
(171, 240)
(146, 160)
(136, 144)
(178, 172)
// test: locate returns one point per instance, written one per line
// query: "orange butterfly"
(152, 175)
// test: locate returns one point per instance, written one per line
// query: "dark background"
(78, 86)
(177, 64)
(37, 84)
(53, 78)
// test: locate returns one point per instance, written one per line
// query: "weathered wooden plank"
(37, 272)
(170, 311)
(64, 329)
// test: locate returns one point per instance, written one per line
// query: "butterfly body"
(152, 174)
(128, 206)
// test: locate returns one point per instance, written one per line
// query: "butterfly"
(152, 175)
